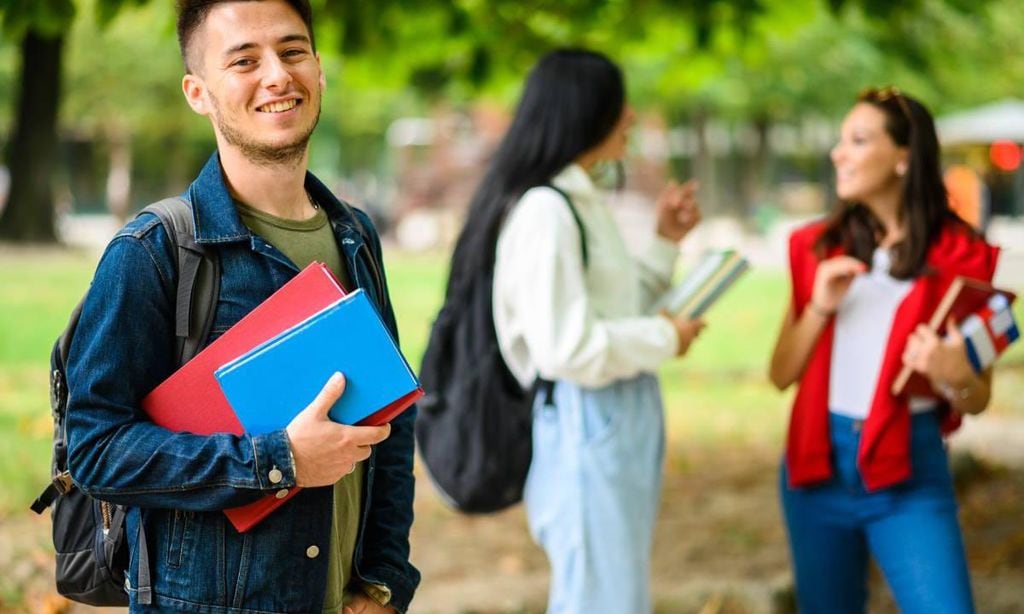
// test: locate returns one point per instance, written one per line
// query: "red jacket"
(884, 455)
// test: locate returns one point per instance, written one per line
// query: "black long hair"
(571, 102)
(925, 203)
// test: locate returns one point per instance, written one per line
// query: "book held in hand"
(190, 400)
(715, 273)
(965, 297)
(272, 383)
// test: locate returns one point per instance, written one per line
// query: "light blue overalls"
(592, 493)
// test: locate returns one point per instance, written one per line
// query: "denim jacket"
(179, 483)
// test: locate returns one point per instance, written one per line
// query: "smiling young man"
(340, 545)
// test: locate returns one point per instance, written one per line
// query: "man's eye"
(294, 53)
(243, 62)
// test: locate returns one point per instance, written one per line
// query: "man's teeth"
(278, 107)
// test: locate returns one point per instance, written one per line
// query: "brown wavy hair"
(855, 229)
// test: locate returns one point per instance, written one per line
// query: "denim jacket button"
(312, 552)
(275, 475)
(281, 494)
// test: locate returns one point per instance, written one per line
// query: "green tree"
(41, 28)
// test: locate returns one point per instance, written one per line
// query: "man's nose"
(275, 73)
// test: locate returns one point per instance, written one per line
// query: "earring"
(901, 170)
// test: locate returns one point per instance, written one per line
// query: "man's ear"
(194, 89)
(323, 79)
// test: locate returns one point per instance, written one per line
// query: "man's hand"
(677, 210)
(361, 604)
(326, 451)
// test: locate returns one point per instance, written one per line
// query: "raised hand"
(677, 210)
(831, 282)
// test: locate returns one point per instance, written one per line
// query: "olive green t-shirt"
(305, 241)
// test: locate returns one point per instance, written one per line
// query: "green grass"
(717, 394)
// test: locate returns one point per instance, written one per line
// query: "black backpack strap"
(195, 302)
(544, 386)
(575, 216)
(198, 276)
(144, 590)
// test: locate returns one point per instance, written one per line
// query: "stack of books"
(271, 364)
(715, 272)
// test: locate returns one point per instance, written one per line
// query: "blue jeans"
(910, 530)
(592, 493)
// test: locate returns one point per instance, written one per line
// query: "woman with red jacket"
(865, 471)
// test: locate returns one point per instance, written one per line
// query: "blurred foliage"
(764, 61)
(740, 58)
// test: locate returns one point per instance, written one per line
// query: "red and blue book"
(989, 331)
(270, 384)
(191, 399)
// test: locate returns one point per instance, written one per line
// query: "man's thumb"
(330, 393)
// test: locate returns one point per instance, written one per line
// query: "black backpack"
(89, 535)
(474, 427)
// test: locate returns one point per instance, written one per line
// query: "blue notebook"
(273, 382)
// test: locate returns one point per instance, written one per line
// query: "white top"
(862, 328)
(559, 320)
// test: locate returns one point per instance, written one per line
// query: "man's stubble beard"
(264, 154)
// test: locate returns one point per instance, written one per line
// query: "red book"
(964, 297)
(191, 400)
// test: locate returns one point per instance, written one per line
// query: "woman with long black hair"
(583, 322)
(865, 472)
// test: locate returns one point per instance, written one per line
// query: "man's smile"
(278, 107)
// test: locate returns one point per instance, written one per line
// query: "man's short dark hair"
(192, 14)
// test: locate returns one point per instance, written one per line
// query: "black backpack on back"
(474, 427)
(89, 535)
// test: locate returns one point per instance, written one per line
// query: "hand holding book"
(979, 326)
(942, 360)
(325, 451)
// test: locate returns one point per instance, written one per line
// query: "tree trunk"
(704, 163)
(32, 155)
(756, 168)
(119, 175)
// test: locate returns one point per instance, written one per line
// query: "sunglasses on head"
(885, 94)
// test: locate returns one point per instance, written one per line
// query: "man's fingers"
(370, 435)
(330, 393)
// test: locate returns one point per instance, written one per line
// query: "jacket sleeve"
(540, 273)
(123, 347)
(384, 555)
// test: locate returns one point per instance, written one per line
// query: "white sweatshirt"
(558, 319)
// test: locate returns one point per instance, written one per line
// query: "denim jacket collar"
(214, 212)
